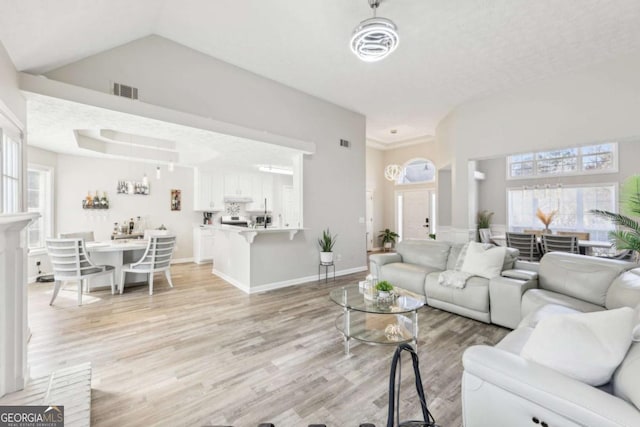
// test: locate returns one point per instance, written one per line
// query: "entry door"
(414, 210)
(369, 213)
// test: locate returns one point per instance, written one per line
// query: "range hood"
(238, 199)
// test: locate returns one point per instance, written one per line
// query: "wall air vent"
(125, 91)
(344, 143)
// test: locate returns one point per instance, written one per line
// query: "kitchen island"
(250, 258)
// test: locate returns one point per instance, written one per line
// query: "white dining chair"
(156, 258)
(70, 261)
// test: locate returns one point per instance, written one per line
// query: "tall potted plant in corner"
(483, 221)
(388, 238)
(627, 236)
(326, 243)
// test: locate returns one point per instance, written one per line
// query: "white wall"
(377, 184)
(173, 76)
(75, 176)
(597, 104)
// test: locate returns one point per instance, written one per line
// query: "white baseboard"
(181, 260)
(285, 283)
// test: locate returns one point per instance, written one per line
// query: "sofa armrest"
(520, 389)
(376, 261)
(505, 294)
(520, 274)
(527, 265)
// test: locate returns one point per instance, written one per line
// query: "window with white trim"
(590, 159)
(10, 171)
(417, 171)
(39, 191)
(572, 203)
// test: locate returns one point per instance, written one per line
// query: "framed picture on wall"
(176, 200)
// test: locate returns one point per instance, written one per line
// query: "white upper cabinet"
(237, 184)
(208, 191)
(261, 188)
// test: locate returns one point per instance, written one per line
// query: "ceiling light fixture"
(171, 167)
(374, 38)
(392, 172)
(157, 172)
(273, 169)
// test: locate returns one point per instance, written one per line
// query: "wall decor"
(96, 202)
(176, 200)
(133, 187)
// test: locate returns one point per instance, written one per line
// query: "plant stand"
(327, 266)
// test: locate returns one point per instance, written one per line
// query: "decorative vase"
(326, 257)
(547, 230)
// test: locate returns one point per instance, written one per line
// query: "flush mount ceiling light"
(375, 38)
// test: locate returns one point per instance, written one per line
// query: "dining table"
(117, 253)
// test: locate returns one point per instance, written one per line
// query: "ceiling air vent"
(125, 91)
(344, 143)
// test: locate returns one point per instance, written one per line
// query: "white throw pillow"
(482, 261)
(585, 346)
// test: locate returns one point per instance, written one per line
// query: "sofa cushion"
(625, 290)
(514, 341)
(585, 346)
(407, 276)
(625, 379)
(534, 299)
(454, 252)
(484, 261)
(579, 276)
(474, 296)
(424, 252)
(532, 319)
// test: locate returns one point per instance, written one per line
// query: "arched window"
(417, 171)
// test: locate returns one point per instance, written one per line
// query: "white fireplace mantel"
(13, 301)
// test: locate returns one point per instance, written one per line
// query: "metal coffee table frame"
(358, 312)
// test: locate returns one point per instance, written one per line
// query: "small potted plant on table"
(484, 226)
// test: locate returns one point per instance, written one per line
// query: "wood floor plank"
(205, 353)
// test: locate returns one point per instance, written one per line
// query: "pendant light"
(158, 172)
(375, 38)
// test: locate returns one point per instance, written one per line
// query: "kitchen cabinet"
(237, 184)
(203, 239)
(261, 188)
(208, 191)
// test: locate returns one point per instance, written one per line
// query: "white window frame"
(404, 166)
(615, 186)
(47, 213)
(4, 176)
(578, 172)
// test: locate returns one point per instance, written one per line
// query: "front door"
(414, 212)
(369, 216)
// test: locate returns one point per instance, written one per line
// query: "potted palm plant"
(388, 238)
(326, 243)
(483, 221)
(627, 236)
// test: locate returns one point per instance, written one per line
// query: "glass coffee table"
(373, 323)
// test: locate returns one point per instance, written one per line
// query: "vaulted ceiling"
(450, 50)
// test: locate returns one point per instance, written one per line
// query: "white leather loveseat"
(416, 266)
(502, 388)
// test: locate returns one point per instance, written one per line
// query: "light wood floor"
(205, 353)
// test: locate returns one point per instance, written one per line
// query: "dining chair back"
(70, 261)
(86, 235)
(156, 258)
(526, 243)
(555, 243)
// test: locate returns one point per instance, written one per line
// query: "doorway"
(414, 213)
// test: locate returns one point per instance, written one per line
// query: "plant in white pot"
(326, 243)
(388, 238)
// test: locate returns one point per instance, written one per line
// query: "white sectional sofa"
(502, 388)
(416, 266)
